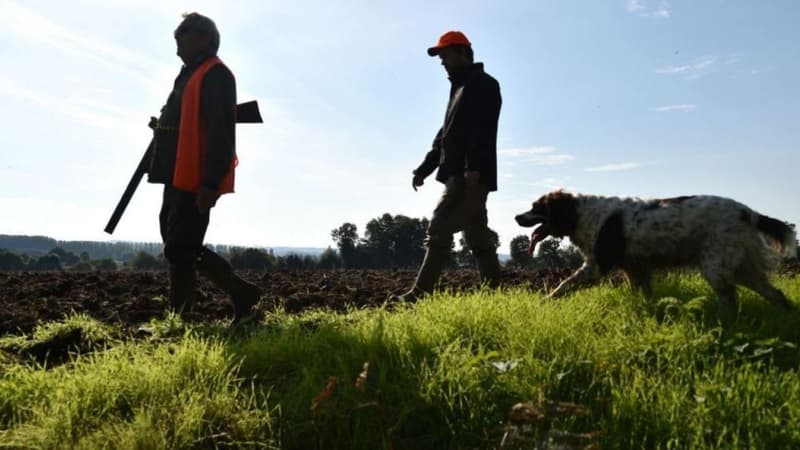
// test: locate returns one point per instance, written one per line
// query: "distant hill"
(119, 250)
(36, 246)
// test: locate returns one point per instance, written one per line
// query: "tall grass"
(442, 373)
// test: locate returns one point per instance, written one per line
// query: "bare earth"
(128, 299)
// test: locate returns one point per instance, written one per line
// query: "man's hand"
(417, 181)
(206, 199)
(471, 177)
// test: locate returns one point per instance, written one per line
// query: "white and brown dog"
(721, 237)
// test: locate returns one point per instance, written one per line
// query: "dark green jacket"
(468, 138)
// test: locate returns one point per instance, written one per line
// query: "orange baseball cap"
(448, 39)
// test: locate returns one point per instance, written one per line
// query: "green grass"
(443, 373)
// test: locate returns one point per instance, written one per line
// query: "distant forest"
(388, 241)
(119, 250)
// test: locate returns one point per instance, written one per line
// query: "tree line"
(59, 259)
(388, 241)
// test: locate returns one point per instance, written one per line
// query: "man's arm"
(217, 108)
(431, 161)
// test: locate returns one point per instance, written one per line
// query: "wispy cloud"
(687, 107)
(22, 24)
(542, 155)
(617, 167)
(549, 183)
(643, 8)
(86, 110)
(692, 70)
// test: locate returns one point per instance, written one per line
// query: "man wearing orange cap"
(464, 154)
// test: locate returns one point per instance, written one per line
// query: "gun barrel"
(141, 169)
(246, 112)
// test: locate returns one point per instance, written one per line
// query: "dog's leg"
(719, 273)
(585, 274)
(640, 280)
(726, 295)
(752, 273)
(760, 283)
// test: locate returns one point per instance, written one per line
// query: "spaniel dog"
(723, 238)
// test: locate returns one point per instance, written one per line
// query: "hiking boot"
(182, 284)
(243, 294)
(244, 301)
(488, 268)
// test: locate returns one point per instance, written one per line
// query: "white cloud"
(693, 70)
(550, 183)
(86, 110)
(22, 24)
(616, 167)
(546, 155)
(647, 9)
(687, 107)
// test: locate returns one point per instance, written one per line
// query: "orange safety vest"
(192, 137)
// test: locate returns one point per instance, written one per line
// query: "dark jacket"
(468, 138)
(217, 105)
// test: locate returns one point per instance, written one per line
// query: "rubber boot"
(243, 294)
(428, 275)
(182, 284)
(489, 268)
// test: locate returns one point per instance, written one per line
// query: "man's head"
(454, 50)
(196, 35)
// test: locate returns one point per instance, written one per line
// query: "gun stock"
(246, 112)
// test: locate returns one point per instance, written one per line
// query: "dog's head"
(556, 214)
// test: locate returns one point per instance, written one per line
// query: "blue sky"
(644, 98)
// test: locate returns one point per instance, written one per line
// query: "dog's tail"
(783, 235)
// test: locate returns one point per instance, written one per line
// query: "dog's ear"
(562, 210)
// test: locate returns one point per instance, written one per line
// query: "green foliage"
(45, 263)
(137, 396)
(293, 261)
(59, 259)
(146, 261)
(394, 241)
(82, 266)
(329, 259)
(441, 374)
(53, 343)
(518, 249)
(463, 257)
(251, 259)
(66, 258)
(40, 245)
(389, 241)
(346, 238)
(105, 265)
(10, 261)
(550, 254)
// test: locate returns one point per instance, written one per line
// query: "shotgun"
(245, 113)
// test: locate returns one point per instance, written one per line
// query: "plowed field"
(128, 299)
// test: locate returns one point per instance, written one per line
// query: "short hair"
(200, 23)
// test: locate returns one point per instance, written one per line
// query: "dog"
(730, 243)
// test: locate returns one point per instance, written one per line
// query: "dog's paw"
(555, 294)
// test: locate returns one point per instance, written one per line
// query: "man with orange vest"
(193, 155)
